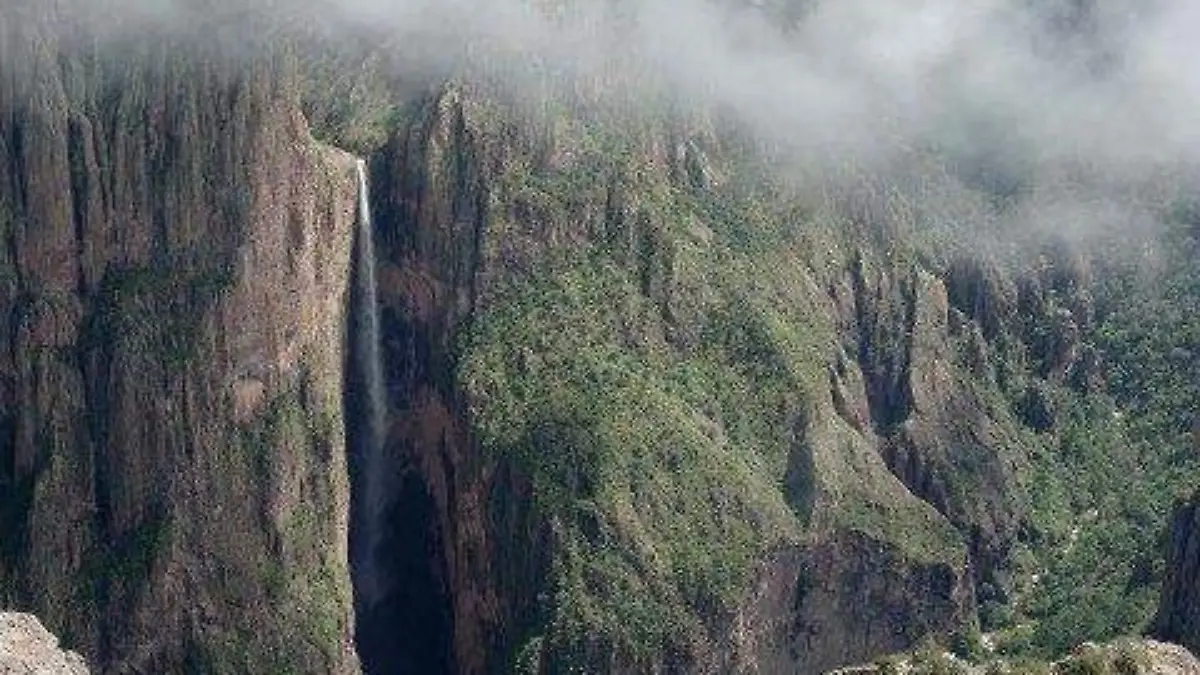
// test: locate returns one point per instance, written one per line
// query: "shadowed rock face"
(1178, 617)
(845, 597)
(461, 538)
(174, 257)
(27, 647)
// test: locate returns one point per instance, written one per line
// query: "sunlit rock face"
(172, 291)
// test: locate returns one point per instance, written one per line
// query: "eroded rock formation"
(639, 412)
(451, 240)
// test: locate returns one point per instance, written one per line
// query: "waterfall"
(402, 608)
(372, 474)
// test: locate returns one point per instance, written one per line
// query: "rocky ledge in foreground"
(27, 648)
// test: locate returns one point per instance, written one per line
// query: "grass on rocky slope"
(660, 472)
(651, 381)
(648, 375)
(1104, 473)
(1122, 457)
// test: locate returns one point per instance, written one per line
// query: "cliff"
(656, 413)
(173, 273)
(589, 404)
(1178, 618)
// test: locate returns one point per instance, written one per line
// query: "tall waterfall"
(372, 478)
(402, 609)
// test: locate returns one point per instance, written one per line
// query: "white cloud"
(990, 80)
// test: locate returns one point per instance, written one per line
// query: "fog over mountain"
(1108, 82)
(1075, 98)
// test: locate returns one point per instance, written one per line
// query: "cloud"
(1008, 90)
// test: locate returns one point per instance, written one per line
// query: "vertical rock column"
(1178, 617)
(174, 265)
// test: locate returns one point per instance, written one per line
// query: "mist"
(1115, 83)
(1014, 94)
(1076, 110)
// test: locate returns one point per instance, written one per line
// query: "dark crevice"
(884, 319)
(77, 154)
(408, 630)
(96, 353)
(18, 492)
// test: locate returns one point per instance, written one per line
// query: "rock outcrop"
(27, 648)
(847, 596)
(908, 372)
(1178, 618)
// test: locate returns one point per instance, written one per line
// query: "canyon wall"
(579, 386)
(465, 221)
(175, 251)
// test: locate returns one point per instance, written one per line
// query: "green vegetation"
(153, 312)
(346, 98)
(1151, 333)
(1121, 657)
(118, 569)
(1117, 460)
(662, 505)
(1098, 552)
(654, 383)
(305, 583)
(658, 369)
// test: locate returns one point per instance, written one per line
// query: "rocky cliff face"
(465, 222)
(1178, 617)
(604, 342)
(911, 380)
(173, 272)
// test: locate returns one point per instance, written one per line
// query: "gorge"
(382, 338)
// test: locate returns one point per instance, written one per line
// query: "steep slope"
(650, 405)
(599, 394)
(173, 275)
(666, 415)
